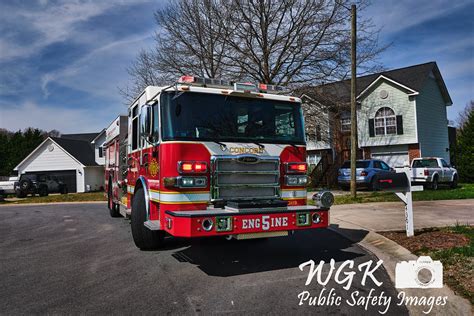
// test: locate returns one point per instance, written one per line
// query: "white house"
(77, 159)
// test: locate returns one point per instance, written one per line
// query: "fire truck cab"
(205, 157)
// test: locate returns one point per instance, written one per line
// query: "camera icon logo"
(423, 273)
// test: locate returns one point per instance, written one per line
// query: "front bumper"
(244, 221)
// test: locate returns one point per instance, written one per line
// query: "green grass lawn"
(458, 262)
(71, 197)
(463, 191)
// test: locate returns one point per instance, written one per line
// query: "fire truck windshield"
(201, 116)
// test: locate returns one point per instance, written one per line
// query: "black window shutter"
(399, 125)
(371, 128)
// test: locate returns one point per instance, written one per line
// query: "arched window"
(385, 122)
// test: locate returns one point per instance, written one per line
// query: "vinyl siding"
(432, 121)
(400, 102)
(99, 142)
(44, 159)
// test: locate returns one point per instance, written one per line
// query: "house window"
(385, 122)
(346, 124)
(101, 152)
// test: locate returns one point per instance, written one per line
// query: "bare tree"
(287, 42)
(292, 41)
(191, 39)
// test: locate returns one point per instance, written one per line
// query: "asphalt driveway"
(76, 259)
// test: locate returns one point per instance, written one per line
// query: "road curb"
(391, 253)
(52, 203)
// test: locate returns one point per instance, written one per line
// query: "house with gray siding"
(401, 115)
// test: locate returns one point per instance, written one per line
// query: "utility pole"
(354, 144)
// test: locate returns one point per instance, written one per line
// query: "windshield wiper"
(261, 146)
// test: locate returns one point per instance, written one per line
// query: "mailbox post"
(400, 184)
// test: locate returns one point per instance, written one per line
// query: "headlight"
(323, 199)
(296, 180)
(185, 182)
(192, 182)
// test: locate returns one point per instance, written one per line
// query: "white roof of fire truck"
(217, 86)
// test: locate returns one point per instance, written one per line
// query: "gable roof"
(98, 135)
(412, 78)
(89, 137)
(79, 149)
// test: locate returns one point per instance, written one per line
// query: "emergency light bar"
(245, 86)
(264, 87)
(208, 82)
(237, 86)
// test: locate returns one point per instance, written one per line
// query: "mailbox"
(392, 182)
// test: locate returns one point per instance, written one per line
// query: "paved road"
(76, 259)
(391, 215)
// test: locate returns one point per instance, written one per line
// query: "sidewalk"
(359, 223)
(391, 215)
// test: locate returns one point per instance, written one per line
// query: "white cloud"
(52, 23)
(97, 64)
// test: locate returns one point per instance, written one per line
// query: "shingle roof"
(79, 149)
(412, 77)
(89, 137)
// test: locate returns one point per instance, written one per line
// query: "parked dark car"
(365, 171)
(40, 184)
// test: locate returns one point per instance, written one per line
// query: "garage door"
(66, 176)
(393, 159)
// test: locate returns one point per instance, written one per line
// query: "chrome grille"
(234, 178)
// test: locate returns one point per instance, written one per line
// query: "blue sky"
(61, 62)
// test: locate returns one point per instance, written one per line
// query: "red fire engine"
(205, 157)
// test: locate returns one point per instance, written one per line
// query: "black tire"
(144, 238)
(454, 183)
(435, 184)
(43, 191)
(25, 185)
(114, 208)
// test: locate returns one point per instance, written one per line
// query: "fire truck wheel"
(143, 237)
(114, 208)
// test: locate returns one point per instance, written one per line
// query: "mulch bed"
(431, 239)
(458, 269)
